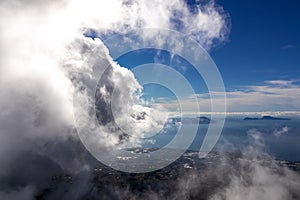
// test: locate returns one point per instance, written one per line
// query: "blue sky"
(264, 42)
(259, 63)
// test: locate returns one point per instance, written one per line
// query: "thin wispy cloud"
(288, 46)
(279, 132)
(272, 95)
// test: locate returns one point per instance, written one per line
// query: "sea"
(278, 138)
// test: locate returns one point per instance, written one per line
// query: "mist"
(43, 66)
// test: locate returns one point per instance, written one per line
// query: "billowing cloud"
(43, 57)
(119, 109)
(42, 65)
(207, 22)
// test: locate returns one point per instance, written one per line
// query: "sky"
(264, 42)
(259, 60)
(54, 62)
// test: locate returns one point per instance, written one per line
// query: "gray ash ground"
(190, 177)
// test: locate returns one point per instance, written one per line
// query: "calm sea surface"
(281, 138)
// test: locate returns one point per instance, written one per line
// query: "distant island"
(192, 120)
(204, 120)
(265, 118)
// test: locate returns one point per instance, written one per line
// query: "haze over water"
(280, 137)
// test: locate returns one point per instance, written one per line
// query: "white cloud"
(278, 97)
(251, 175)
(36, 39)
(207, 23)
(119, 106)
(283, 83)
(259, 176)
(42, 56)
(279, 132)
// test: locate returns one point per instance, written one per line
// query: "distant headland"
(266, 118)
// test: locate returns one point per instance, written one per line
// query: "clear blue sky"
(264, 42)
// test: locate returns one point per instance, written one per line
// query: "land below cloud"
(190, 177)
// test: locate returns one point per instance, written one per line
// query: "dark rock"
(265, 118)
(204, 120)
(273, 118)
(251, 118)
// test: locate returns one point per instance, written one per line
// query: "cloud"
(35, 35)
(26, 193)
(257, 177)
(43, 64)
(279, 132)
(276, 96)
(119, 107)
(280, 83)
(252, 174)
(288, 46)
(207, 23)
